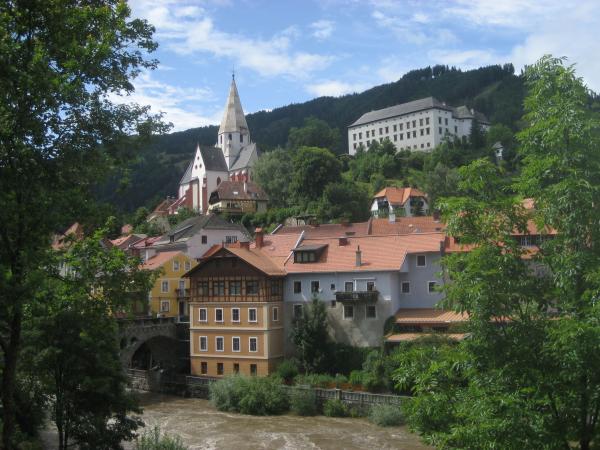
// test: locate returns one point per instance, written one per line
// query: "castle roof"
(233, 117)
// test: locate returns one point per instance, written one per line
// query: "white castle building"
(418, 125)
(231, 158)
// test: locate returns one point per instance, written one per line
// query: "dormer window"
(305, 257)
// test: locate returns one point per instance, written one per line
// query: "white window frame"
(222, 315)
(255, 315)
(367, 316)
(430, 291)
(176, 265)
(275, 314)
(217, 343)
(402, 289)
(294, 286)
(205, 349)
(318, 286)
(239, 340)
(238, 319)
(181, 285)
(200, 315)
(165, 302)
(417, 261)
(164, 283)
(344, 312)
(250, 344)
(188, 266)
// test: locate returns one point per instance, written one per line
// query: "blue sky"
(291, 51)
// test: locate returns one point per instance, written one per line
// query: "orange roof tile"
(278, 247)
(253, 256)
(158, 260)
(428, 316)
(377, 252)
(399, 196)
(406, 225)
(407, 337)
(327, 230)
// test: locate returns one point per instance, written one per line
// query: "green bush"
(356, 377)
(315, 379)
(303, 402)
(264, 396)
(226, 393)
(335, 408)
(154, 440)
(287, 370)
(339, 380)
(386, 415)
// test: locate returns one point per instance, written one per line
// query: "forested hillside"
(494, 90)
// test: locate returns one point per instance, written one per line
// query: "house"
(417, 125)
(396, 201)
(196, 235)
(170, 295)
(237, 198)
(230, 159)
(236, 312)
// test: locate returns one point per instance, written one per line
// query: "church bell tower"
(233, 132)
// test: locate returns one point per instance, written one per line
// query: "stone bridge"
(146, 343)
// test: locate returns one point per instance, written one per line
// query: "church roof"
(187, 176)
(213, 159)
(244, 157)
(233, 118)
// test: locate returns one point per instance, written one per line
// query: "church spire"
(233, 116)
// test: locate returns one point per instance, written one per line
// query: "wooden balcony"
(182, 293)
(357, 296)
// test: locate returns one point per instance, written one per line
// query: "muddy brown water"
(201, 426)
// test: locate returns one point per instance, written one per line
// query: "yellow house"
(171, 293)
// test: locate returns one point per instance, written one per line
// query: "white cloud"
(334, 88)
(322, 29)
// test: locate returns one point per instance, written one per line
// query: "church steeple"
(233, 132)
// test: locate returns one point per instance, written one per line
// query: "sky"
(288, 51)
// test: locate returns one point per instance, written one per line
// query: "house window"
(203, 343)
(236, 368)
(203, 367)
(422, 131)
(370, 286)
(401, 126)
(220, 343)
(395, 138)
(401, 136)
(241, 138)
(204, 239)
(414, 123)
(235, 314)
(380, 131)
(229, 136)
(218, 314)
(218, 288)
(314, 287)
(188, 266)
(349, 286)
(440, 121)
(348, 311)
(175, 266)
(219, 368)
(164, 286)
(421, 122)
(387, 130)
(332, 286)
(305, 257)
(181, 286)
(367, 133)
(427, 130)
(446, 121)
(235, 344)
(202, 315)
(230, 239)
(253, 344)
(415, 133)
(275, 314)
(455, 129)
(431, 286)
(360, 135)
(235, 288)
(371, 312)
(421, 261)
(275, 287)
(253, 370)
(406, 287)
(203, 288)
(164, 306)
(297, 311)
(297, 287)
(252, 315)
(427, 121)
(395, 127)
(252, 287)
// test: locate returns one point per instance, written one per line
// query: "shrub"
(315, 379)
(356, 377)
(303, 402)
(264, 396)
(386, 415)
(335, 408)
(287, 370)
(226, 394)
(154, 440)
(339, 380)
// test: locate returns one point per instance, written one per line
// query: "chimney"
(358, 257)
(259, 237)
(436, 215)
(342, 241)
(392, 217)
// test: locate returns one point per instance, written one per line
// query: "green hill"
(494, 90)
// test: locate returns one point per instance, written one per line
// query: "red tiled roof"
(428, 316)
(399, 196)
(253, 256)
(146, 242)
(158, 260)
(377, 252)
(74, 232)
(327, 230)
(406, 225)
(407, 337)
(278, 247)
(240, 190)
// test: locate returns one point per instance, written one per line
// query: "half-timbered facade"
(236, 323)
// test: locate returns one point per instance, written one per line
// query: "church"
(229, 161)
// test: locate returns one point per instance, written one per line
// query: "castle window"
(230, 137)
(241, 138)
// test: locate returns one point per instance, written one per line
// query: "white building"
(403, 202)
(418, 125)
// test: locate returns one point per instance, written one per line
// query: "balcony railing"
(182, 293)
(357, 296)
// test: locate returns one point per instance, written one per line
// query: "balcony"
(182, 293)
(357, 296)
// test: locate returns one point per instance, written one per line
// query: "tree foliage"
(314, 168)
(310, 337)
